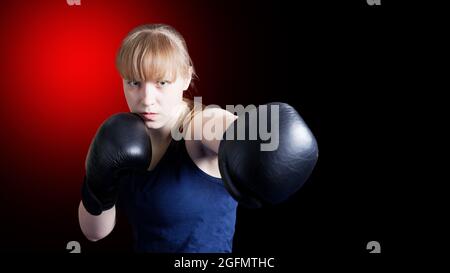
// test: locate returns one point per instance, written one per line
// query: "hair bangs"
(150, 57)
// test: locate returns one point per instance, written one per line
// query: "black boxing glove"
(122, 143)
(258, 171)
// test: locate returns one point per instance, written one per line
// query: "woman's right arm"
(96, 227)
(121, 144)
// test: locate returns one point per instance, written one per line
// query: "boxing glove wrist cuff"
(90, 201)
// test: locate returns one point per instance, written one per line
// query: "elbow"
(95, 228)
(94, 237)
(95, 234)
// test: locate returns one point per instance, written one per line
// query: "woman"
(180, 204)
(179, 193)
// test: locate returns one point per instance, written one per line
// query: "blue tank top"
(178, 208)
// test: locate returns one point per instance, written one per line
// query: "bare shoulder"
(203, 137)
(210, 114)
(214, 112)
(208, 126)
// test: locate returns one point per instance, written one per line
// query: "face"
(157, 102)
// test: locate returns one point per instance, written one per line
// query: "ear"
(188, 79)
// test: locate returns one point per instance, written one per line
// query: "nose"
(149, 97)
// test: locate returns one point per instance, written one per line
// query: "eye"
(163, 83)
(134, 84)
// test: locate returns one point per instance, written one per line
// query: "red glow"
(59, 81)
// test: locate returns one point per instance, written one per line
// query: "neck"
(164, 134)
(160, 135)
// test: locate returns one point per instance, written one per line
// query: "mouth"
(148, 115)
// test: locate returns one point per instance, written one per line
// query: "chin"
(153, 124)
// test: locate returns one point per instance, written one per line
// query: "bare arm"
(96, 227)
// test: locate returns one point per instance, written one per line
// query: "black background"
(352, 72)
